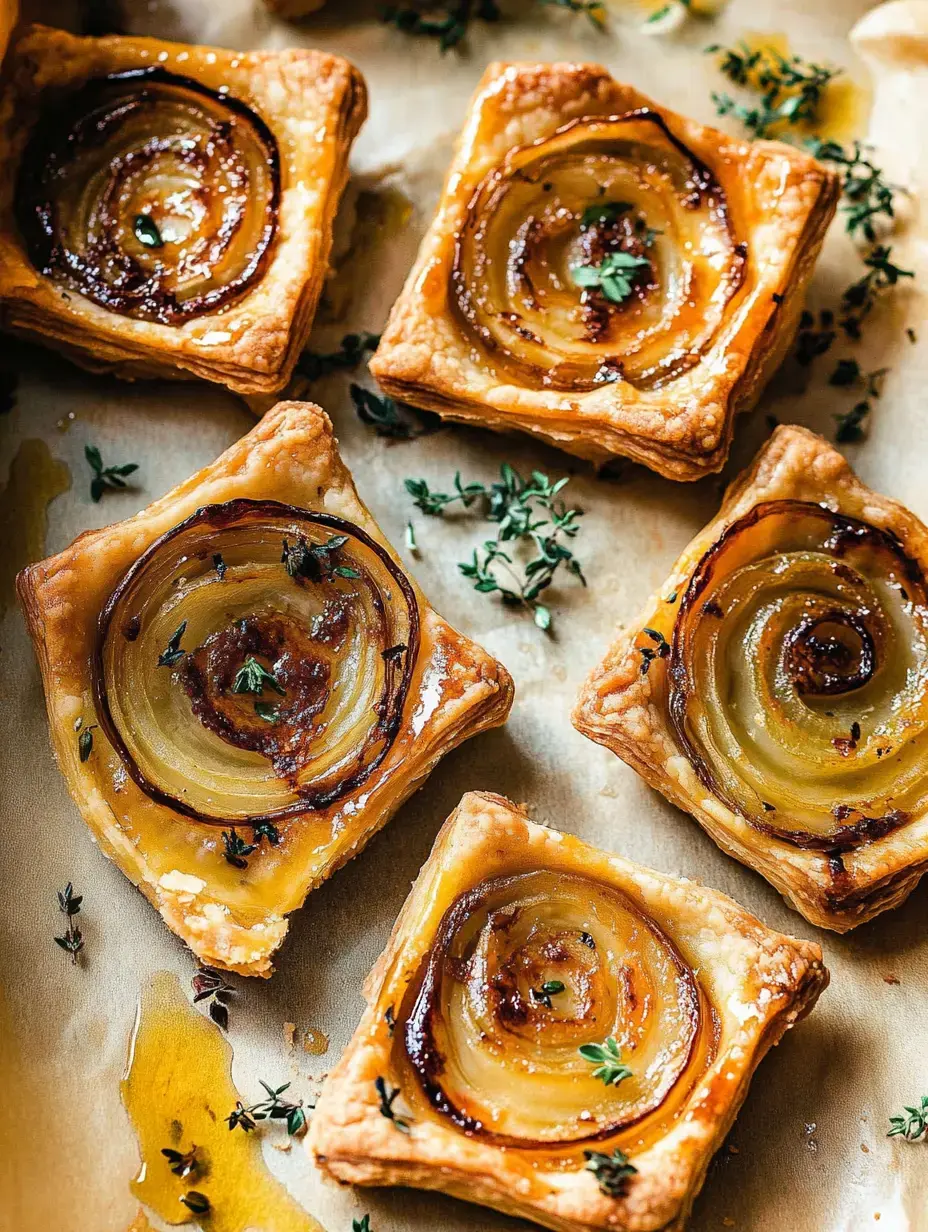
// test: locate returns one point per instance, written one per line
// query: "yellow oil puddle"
(380, 215)
(842, 110)
(36, 478)
(178, 1092)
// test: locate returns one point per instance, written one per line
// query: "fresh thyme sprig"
(106, 478)
(861, 296)
(209, 985)
(388, 1098)
(913, 1125)
(614, 276)
(236, 851)
(527, 511)
(252, 677)
(388, 418)
(607, 1058)
(791, 90)
(69, 904)
(351, 352)
(271, 1109)
(611, 1171)
(867, 194)
(316, 561)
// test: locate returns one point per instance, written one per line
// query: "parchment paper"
(809, 1150)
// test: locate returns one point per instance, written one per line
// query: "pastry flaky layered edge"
(760, 982)
(230, 920)
(626, 711)
(781, 201)
(313, 103)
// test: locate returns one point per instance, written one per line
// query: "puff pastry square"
(211, 204)
(519, 955)
(775, 687)
(560, 168)
(144, 631)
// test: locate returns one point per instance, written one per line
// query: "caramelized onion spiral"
(598, 187)
(500, 1057)
(151, 195)
(254, 662)
(799, 676)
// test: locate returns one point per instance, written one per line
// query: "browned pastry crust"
(869, 864)
(236, 917)
(312, 106)
(758, 984)
(775, 201)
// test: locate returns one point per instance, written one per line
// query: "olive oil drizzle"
(178, 1092)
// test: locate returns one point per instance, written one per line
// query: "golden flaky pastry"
(604, 273)
(776, 686)
(557, 1032)
(243, 685)
(167, 210)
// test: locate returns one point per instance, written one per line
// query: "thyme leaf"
(251, 677)
(209, 985)
(273, 1108)
(395, 420)
(607, 1058)
(316, 561)
(351, 352)
(196, 1202)
(106, 478)
(69, 904)
(614, 276)
(182, 1163)
(549, 989)
(172, 653)
(913, 1125)
(611, 1171)
(388, 1098)
(146, 231)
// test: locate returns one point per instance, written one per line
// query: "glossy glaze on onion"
(598, 186)
(799, 676)
(501, 1059)
(151, 195)
(315, 602)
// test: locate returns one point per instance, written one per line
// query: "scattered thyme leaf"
(660, 650)
(859, 299)
(604, 213)
(209, 985)
(273, 1108)
(527, 512)
(106, 478)
(196, 1202)
(868, 197)
(267, 711)
(251, 677)
(395, 420)
(850, 427)
(85, 742)
(614, 276)
(351, 352)
(219, 565)
(549, 989)
(69, 904)
(389, 1018)
(146, 231)
(607, 1058)
(316, 561)
(594, 10)
(235, 849)
(913, 1124)
(387, 1100)
(361, 1225)
(172, 653)
(611, 1171)
(182, 1163)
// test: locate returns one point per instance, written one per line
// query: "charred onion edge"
(428, 1063)
(703, 179)
(31, 194)
(218, 517)
(845, 838)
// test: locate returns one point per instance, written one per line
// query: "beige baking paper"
(809, 1151)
